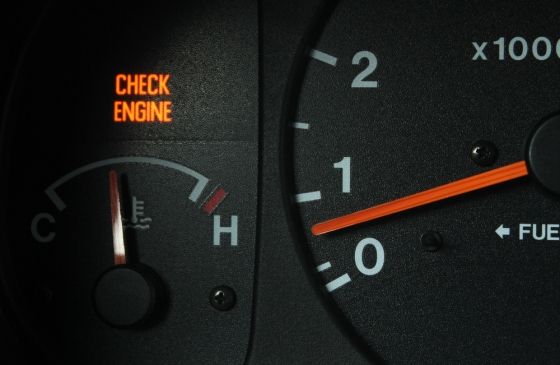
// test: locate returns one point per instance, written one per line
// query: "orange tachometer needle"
(116, 219)
(476, 182)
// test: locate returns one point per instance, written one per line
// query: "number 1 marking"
(344, 165)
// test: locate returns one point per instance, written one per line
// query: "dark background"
(15, 26)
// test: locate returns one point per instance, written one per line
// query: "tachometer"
(423, 155)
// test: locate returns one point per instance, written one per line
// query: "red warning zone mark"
(214, 200)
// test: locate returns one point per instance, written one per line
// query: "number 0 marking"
(359, 256)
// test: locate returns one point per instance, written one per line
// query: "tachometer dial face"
(129, 185)
(421, 158)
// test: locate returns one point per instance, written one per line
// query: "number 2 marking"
(359, 80)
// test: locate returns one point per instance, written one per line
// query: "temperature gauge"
(129, 187)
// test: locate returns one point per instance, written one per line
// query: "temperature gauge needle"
(459, 187)
(116, 219)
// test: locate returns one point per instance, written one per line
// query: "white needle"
(116, 219)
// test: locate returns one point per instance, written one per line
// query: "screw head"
(46, 295)
(222, 298)
(431, 241)
(484, 153)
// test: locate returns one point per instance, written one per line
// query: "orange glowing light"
(142, 87)
(142, 111)
(142, 84)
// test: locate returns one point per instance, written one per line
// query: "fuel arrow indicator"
(502, 231)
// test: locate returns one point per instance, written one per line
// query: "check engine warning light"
(142, 98)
